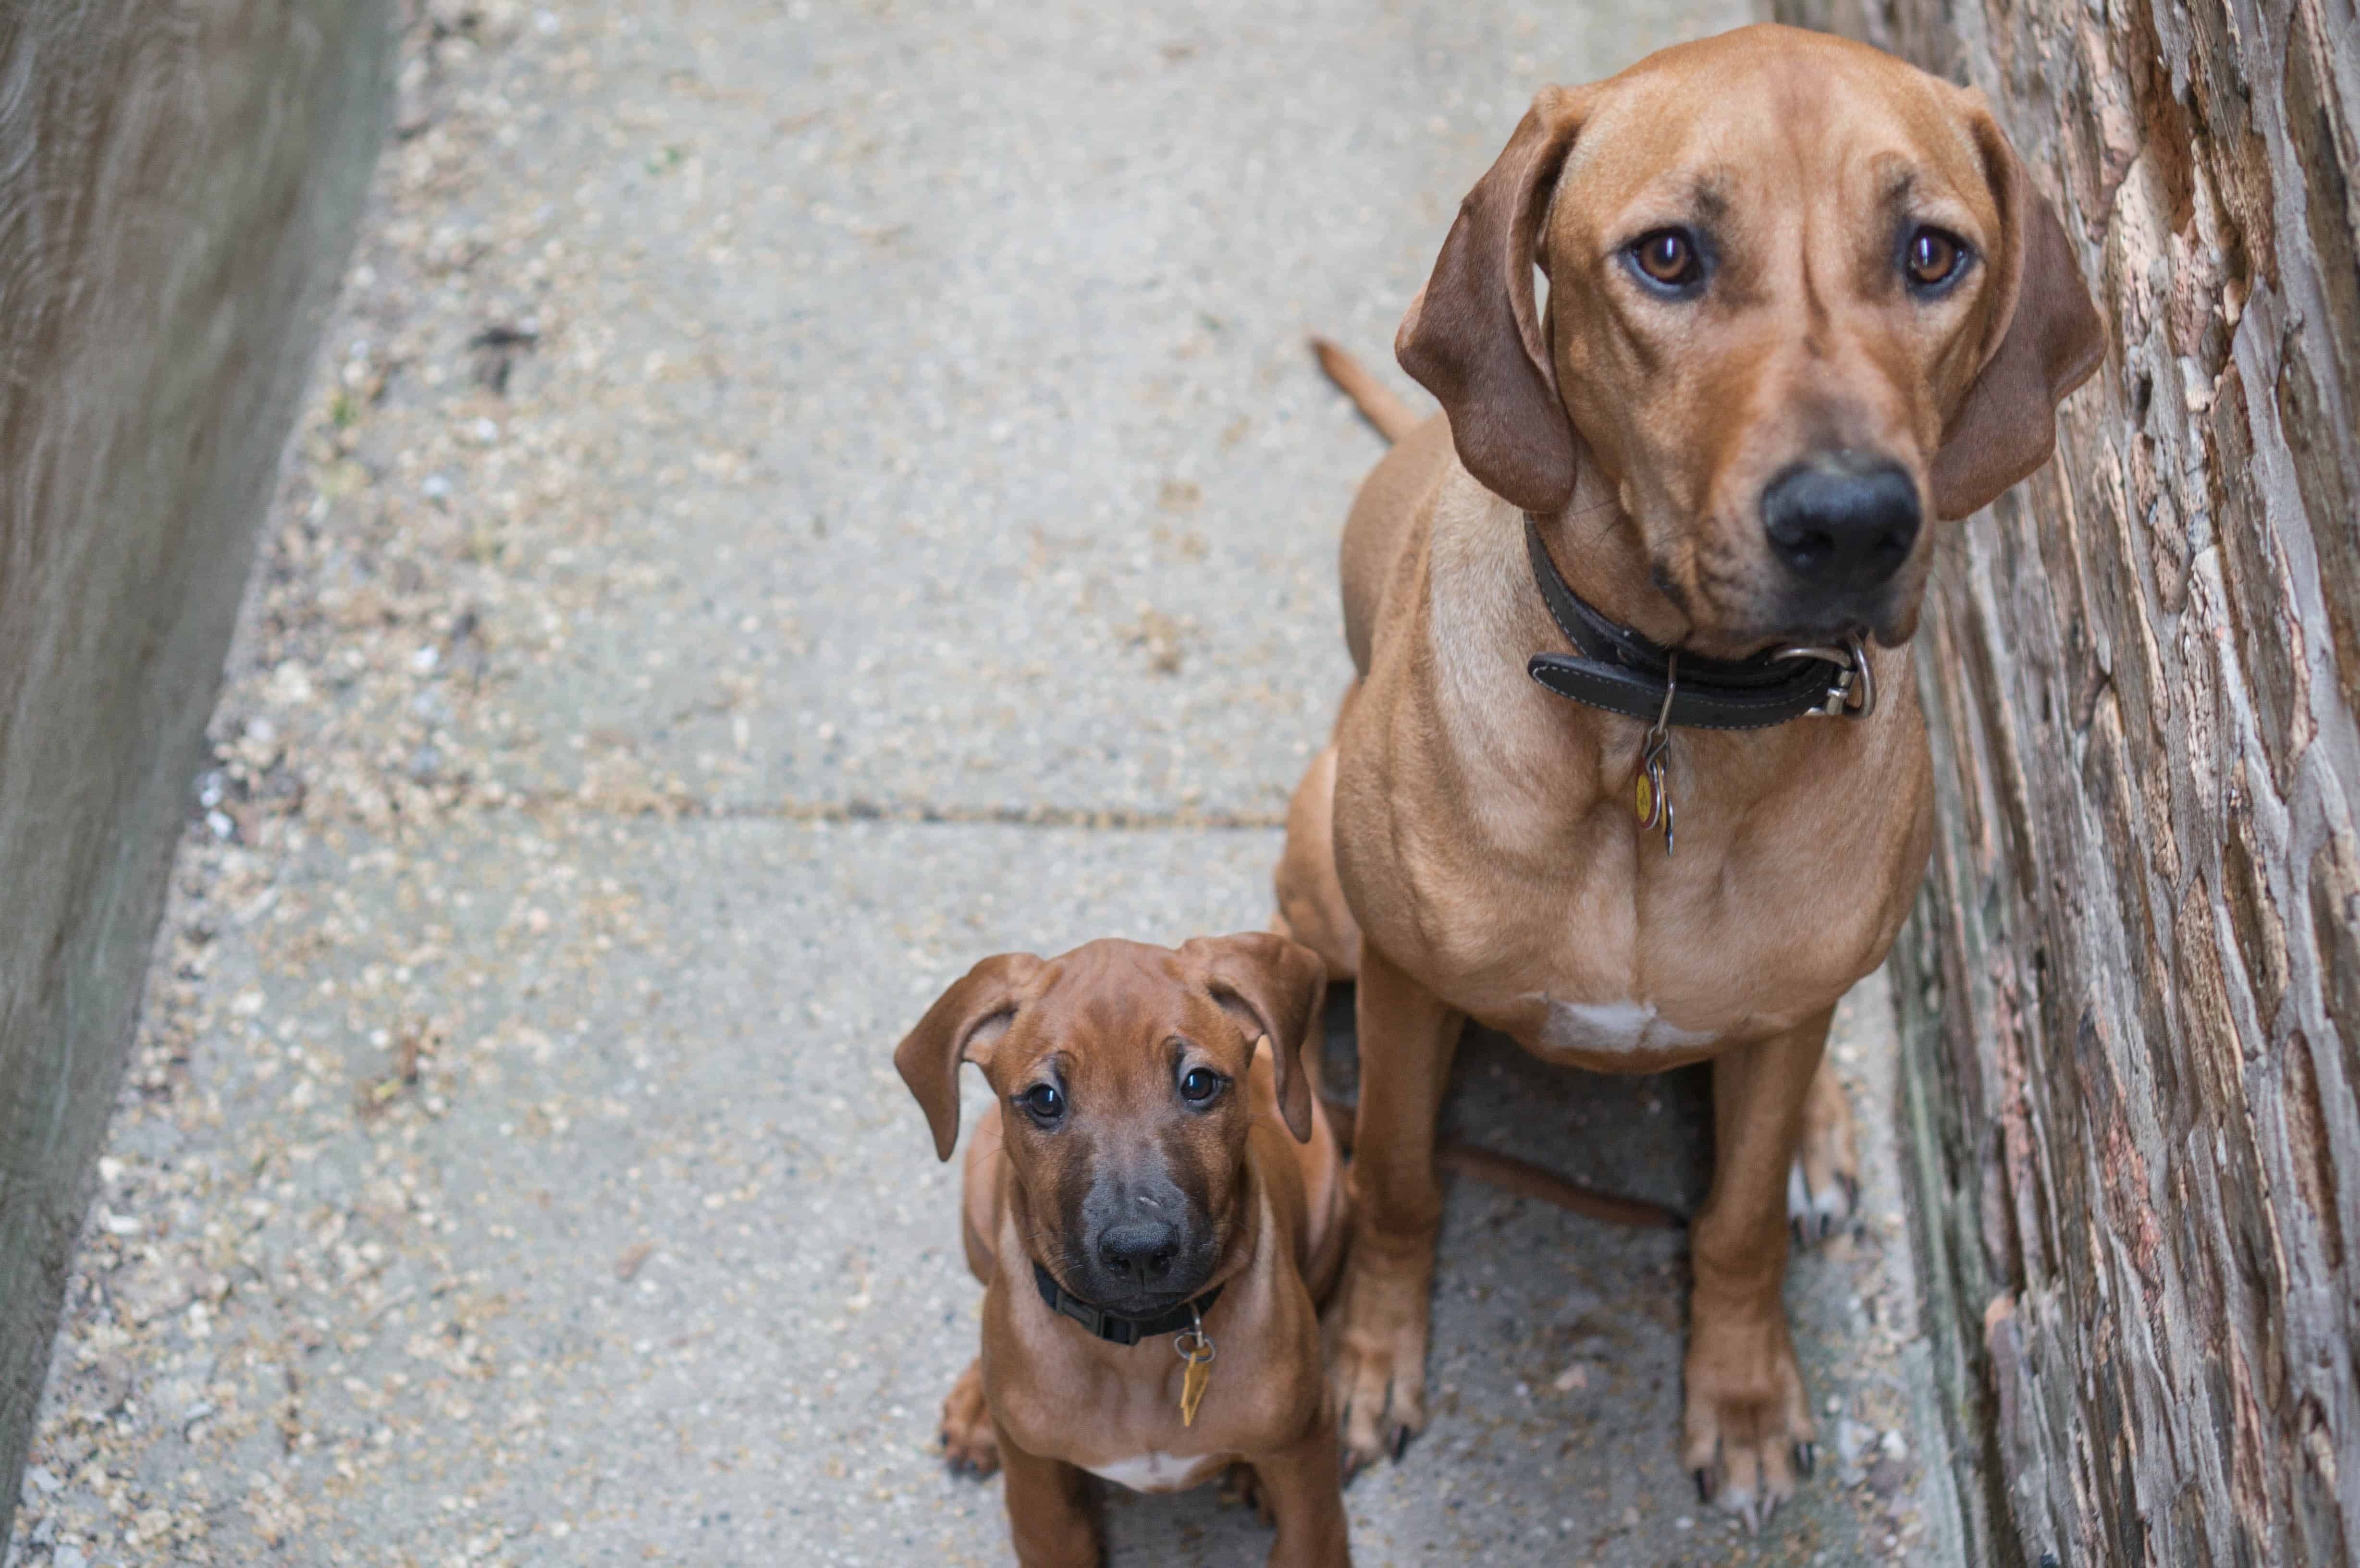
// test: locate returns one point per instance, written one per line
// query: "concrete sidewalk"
(802, 498)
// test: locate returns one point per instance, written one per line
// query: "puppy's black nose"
(1843, 521)
(1139, 1250)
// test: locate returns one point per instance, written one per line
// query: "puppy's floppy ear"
(1272, 986)
(2044, 340)
(964, 1019)
(1472, 336)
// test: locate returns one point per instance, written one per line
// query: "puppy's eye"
(1668, 260)
(1933, 259)
(1044, 1100)
(1199, 1084)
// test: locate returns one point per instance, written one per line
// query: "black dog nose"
(1843, 521)
(1139, 1250)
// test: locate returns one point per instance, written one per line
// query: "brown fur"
(1466, 843)
(1117, 1025)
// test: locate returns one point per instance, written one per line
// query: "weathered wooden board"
(2132, 988)
(178, 186)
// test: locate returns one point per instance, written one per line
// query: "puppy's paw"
(1823, 1184)
(1240, 1484)
(970, 1442)
(1749, 1434)
(1378, 1371)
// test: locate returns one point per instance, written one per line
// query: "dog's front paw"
(1378, 1375)
(1823, 1184)
(1749, 1432)
(970, 1442)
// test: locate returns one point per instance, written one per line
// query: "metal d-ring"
(1867, 703)
(1193, 1339)
(1853, 659)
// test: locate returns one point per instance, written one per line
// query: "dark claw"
(1351, 1466)
(1704, 1486)
(1796, 1224)
(1851, 1191)
(1400, 1443)
(1807, 1457)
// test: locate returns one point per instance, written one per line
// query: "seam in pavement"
(1119, 819)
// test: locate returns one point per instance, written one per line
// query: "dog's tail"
(1521, 1177)
(1526, 1180)
(1393, 418)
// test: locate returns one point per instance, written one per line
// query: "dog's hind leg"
(1311, 907)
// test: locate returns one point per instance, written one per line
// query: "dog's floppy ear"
(1472, 336)
(2045, 340)
(1272, 986)
(964, 1019)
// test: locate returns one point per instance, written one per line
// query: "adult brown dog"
(1147, 1172)
(1801, 297)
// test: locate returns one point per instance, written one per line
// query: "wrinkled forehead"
(1111, 1017)
(1740, 138)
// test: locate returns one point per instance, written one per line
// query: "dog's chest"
(1615, 1029)
(1156, 1472)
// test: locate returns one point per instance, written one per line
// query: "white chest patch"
(1153, 1472)
(1615, 1029)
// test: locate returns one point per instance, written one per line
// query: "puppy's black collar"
(1615, 669)
(1113, 1328)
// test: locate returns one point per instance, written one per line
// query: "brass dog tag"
(1193, 1383)
(1194, 1347)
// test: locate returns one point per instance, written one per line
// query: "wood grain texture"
(177, 185)
(2132, 989)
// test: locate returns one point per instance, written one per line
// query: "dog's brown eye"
(1934, 258)
(1199, 1084)
(1668, 256)
(1044, 1100)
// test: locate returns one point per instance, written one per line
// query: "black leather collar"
(1115, 1329)
(1615, 669)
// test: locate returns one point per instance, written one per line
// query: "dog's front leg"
(1304, 1488)
(1746, 1407)
(1408, 1036)
(1048, 1518)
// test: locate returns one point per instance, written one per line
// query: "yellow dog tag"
(1193, 1383)
(1194, 1347)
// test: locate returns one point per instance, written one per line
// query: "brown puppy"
(1157, 1159)
(1802, 297)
